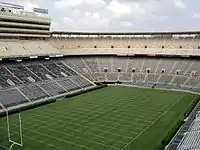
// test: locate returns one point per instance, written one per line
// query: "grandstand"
(38, 67)
(24, 35)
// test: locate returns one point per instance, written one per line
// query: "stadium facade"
(38, 65)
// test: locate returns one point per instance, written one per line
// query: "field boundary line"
(165, 89)
(4, 147)
(153, 122)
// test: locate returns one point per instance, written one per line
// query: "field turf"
(112, 118)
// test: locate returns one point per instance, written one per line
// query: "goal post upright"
(8, 128)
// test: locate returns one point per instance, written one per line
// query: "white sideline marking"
(3, 146)
(153, 122)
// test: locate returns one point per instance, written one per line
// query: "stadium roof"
(124, 33)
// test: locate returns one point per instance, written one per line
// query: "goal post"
(9, 132)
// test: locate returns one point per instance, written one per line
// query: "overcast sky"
(119, 15)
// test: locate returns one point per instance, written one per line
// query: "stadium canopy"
(125, 33)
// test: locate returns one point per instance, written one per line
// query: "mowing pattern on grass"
(113, 118)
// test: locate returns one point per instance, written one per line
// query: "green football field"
(111, 118)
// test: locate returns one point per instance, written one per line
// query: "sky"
(119, 15)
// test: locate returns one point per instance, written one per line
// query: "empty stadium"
(96, 90)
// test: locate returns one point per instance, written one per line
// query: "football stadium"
(62, 90)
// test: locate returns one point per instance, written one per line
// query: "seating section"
(125, 42)
(41, 79)
(112, 45)
(34, 80)
(69, 84)
(6, 78)
(19, 48)
(82, 82)
(12, 97)
(53, 88)
(191, 141)
(33, 92)
(168, 71)
(191, 138)
(98, 45)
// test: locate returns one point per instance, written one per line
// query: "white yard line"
(59, 139)
(68, 117)
(96, 111)
(4, 146)
(152, 122)
(54, 123)
(87, 126)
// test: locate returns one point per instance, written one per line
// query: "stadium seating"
(35, 80)
(191, 138)
(18, 48)
(124, 42)
(176, 72)
(126, 45)
(46, 78)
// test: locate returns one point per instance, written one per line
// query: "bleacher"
(75, 73)
(177, 72)
(191, 138)
(34, 80)
(26, 48)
